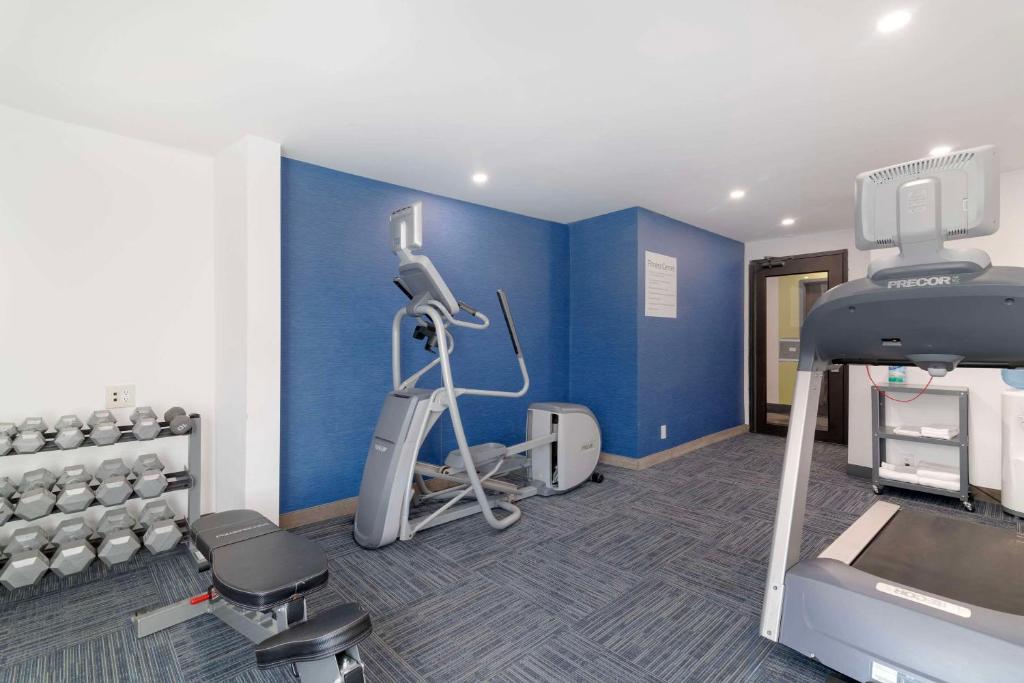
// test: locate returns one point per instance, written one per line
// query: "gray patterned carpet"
(651, 576)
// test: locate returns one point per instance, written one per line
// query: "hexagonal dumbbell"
(145, 423)
(162, 532)
(147, 461)
(69, 432)
(154, 511)
(75, 493)
(36, 498)
(98, 416)
(38, 478)
(109, 467)
(114, 491)
(178, 420)
(71, 529)
(7, 490)
(119, 541)
(114, 487)
(74, 551)
(30, 435)
(23, 569)
(26, 563)
(26, 538)
(74, 474)
(75, 497)
(150, 480)
(112, 520)
(104, 428)
(35, 503)
(7, 433)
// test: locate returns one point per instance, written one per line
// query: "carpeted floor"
(654, 575)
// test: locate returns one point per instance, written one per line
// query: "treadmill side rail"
(848, 620)
(852, 542)
(789, 515)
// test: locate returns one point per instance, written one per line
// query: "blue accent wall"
(576, 292)
(689, 369)
(603, 340)
(337, 306)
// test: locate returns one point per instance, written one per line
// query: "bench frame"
(257, 625)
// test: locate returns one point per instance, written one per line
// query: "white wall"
(248, 327)
(1006, 248)
(106, 277)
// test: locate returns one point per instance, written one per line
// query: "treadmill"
(904, 596)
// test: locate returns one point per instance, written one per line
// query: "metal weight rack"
(188, 479)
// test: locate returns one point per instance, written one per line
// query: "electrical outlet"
(664, 431)
(120, 396)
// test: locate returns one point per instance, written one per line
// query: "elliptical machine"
(562, 444)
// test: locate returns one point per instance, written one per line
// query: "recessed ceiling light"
(941, 150)
(737, 194)
(788, 221)
(893, 21)
(479, 178)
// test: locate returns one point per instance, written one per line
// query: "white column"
(247, 253)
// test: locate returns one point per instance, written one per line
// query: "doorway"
(782, 292)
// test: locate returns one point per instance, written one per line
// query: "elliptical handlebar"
(510, 323)
(431, 310)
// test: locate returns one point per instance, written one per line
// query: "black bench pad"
(253, 562)
(233, 526)
(326, 634)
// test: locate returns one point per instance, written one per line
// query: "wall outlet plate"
(664, 431)
(120, 396)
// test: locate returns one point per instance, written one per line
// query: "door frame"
(838, 381)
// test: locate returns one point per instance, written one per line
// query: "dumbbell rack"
(176, 481)
(188, 479)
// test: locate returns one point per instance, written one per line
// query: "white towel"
(940, 483)
(933, 470)
(908, 476)
(906, 431)
(940, 431)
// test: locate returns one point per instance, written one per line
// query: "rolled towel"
(899, 475)
(933, 470)
(946, 484)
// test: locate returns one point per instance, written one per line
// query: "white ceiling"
(574, 107)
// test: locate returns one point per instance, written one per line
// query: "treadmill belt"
(961, 560)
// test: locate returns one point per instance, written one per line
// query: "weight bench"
(260, 574)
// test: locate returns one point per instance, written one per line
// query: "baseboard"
(653, 459)
(994, 496)
(346, 507)
(318, 513)
(862, 471)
